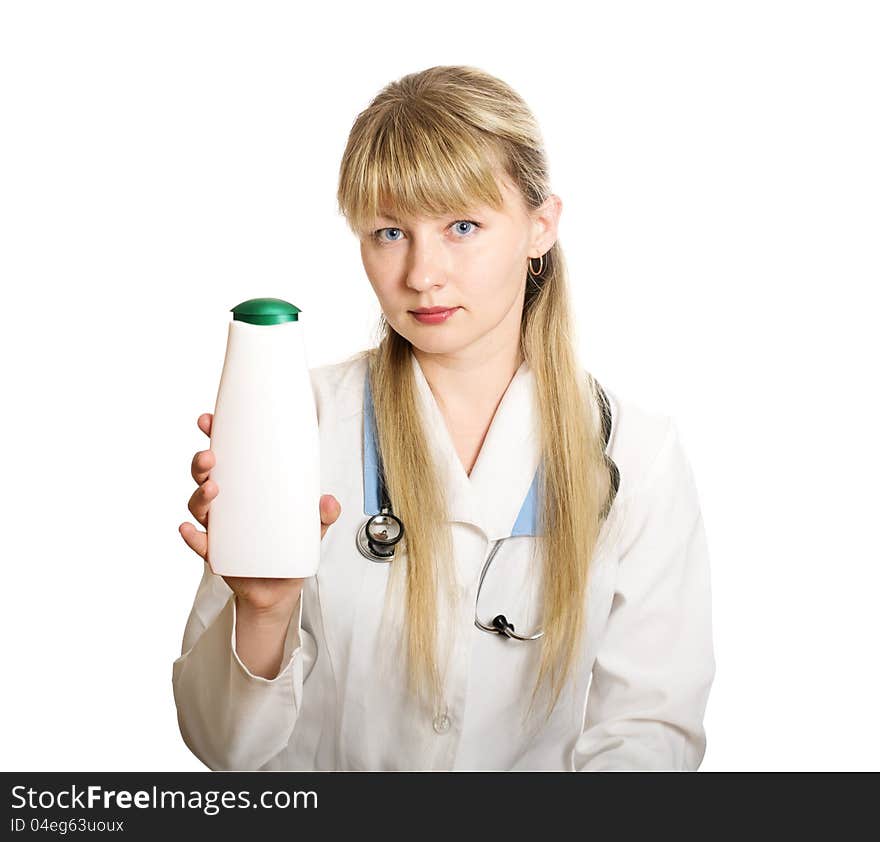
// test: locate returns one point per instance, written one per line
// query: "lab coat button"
(442, 723)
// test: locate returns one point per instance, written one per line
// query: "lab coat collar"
(500, 495)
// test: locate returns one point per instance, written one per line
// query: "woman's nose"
(425, 267)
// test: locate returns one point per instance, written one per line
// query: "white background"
(162, 161)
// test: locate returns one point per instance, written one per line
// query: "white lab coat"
(636, 700)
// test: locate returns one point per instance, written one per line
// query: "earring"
(532, 271)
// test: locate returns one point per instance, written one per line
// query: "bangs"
(414, 164)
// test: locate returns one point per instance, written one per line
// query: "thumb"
(330, 508)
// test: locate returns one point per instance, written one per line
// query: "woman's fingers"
(204, 422)
(195, 540)
(202, 463)
(200, 502)
(204, 460)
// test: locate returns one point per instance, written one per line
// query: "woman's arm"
(259, 638)
(230, 717)
(655, 664)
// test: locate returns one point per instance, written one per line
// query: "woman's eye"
(377, 234)
(466, 222)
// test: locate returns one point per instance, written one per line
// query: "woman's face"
(475, 262)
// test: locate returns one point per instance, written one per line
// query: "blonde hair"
(431, 144)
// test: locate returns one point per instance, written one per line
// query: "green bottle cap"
(265, 311)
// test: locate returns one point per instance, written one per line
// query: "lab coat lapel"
(499, 496)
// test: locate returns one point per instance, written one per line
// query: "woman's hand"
(263, 595)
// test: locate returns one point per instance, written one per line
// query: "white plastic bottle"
(265, 518)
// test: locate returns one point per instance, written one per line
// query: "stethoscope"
(379, 535)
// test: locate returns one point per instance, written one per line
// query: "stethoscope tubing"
(499, 624)
(383, 551)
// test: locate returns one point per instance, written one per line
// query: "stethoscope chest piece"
(378, 536)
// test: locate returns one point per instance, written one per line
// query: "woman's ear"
(545, 225)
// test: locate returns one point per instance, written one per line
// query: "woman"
(490, 437)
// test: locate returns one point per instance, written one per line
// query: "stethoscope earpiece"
(378, 536)
(500, 623)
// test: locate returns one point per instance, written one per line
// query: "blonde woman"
(547, 603)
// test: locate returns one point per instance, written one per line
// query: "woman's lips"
(434, 318)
